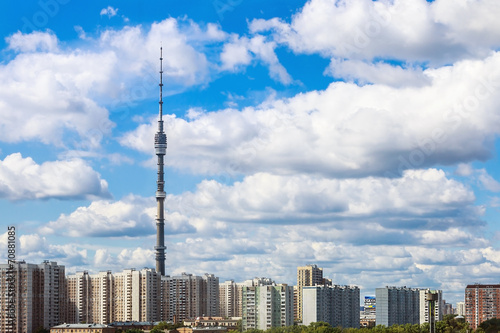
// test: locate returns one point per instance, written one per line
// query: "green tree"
(156, 330)
(134, 330)
(491, 325)
(40, 329)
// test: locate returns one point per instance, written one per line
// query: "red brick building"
(482, 302)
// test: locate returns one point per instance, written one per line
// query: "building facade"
(460, 309)
(397, 305)
(189, 296)
(267, 306)
(335, 305)
(307, 276)
(424, 314)
(482, 302)
(105, 297)
(38, 297)
(230, 299)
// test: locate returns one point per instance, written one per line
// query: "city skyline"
(358, 136)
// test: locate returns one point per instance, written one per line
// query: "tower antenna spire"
(161, 83)
(160, 150)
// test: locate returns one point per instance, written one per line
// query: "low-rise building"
(82, 328)
(230, 323)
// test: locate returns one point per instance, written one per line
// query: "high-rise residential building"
(447, 309)
(460, 309)
(189, 296)
(231, 295)
(210, 295)
(482, 302)
(336, 305)
(397, 305)
(424, 314)
(102, 298)
(230, 299)
(309, 275)
(267, 306)
(38, 298)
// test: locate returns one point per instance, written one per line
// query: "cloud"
(417, 31)
(45, 96)
(70, 89)
(420, 200)
(345, 130)
(464, 169)
(480, 176)
(487, 181)
(34, 248)
(266, 198)
(132, 216)
(240, 51)
(378, 73)
(109, 11)
(36, 41)
(24, 179)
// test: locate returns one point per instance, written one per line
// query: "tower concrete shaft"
(160, 148)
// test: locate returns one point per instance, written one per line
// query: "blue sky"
(361, 136)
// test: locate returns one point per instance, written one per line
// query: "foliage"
(490, 326)
(134, 330)
(156, 330)
(449, 324)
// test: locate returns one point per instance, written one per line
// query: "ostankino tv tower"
(160, 148)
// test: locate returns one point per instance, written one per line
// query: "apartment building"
(267, 306)
(482, 302)
(460, 309)
(230, 299)
(397, 305)
(309, 275)
(424, 314)
(102, 298)
(188, 296)
(336, 305)
(38, 296)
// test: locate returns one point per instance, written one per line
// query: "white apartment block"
(188, 296)
(267, 306)
(424, 306)
(336, 305)
(461, 309)
(39, 296)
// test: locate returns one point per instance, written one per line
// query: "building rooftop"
(81, 326)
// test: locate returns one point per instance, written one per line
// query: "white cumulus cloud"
(23, 179)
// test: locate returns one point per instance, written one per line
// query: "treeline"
(449, 324)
